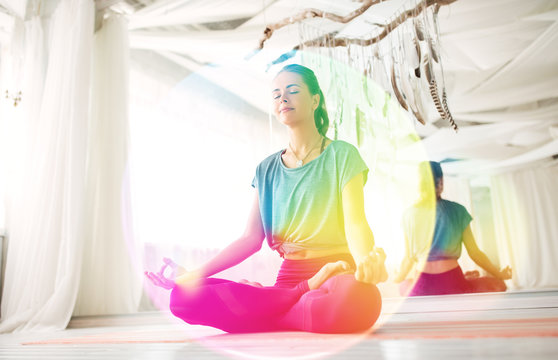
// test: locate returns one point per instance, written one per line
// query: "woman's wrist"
(398, 278)
(505, 273)
(496, 272)
(200, 272)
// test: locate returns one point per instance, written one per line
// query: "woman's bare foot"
(469, 275)
(251, 283)
(327, 271)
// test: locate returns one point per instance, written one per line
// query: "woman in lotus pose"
(308, 204)
(434, 235)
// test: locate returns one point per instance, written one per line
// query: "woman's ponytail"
(320, 116)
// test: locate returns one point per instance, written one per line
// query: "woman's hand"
(505, 273)
(166, 282)
(372, 269)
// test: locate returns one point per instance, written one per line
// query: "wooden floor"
(521, 325)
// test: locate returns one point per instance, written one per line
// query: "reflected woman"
(308, 203)
(435, 230)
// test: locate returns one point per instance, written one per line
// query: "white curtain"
(18, 7)
(15, 55)
(525, 214)
(45, 226)
(24, 51)
(111, 275)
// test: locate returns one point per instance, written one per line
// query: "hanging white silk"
(46, 228)
(111, 275)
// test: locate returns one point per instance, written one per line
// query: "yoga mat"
(544, 327)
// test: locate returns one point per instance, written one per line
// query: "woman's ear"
(315, 101)
(440, 186)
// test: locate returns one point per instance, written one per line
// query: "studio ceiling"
(500, 59)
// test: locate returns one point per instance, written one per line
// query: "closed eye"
(277, 96)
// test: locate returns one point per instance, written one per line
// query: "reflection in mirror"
(435, 231)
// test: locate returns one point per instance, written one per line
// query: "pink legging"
(450, 282)
(340, 305)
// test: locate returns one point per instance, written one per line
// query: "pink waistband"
(294, 271)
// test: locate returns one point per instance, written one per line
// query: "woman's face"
(292, 101)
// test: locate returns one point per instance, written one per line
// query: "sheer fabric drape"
(45, 226)
(71, 249)
(111, 274)
(525, 213)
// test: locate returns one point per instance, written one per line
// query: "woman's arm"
(243, 247)
(406, 264)
(369, 260)
(480, 258)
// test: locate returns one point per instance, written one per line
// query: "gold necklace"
(300, 162)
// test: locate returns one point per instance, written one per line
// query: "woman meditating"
(434, 235)
(308, 204)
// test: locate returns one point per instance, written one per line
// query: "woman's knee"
(366, 297)
(488, 284)
(181, 304)
(358, 304)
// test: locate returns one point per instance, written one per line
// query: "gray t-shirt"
(301, 208)
(436, 233)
